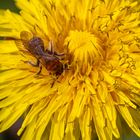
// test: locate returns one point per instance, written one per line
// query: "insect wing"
(22, 43)
(25, 38)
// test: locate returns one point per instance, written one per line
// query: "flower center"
(84, 49)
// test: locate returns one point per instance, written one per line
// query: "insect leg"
(33, 64)
(58, 54)
(54, 80)
(40, 69)
(50, 48)
(51, 51)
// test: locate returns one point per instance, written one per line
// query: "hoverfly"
(48, 58)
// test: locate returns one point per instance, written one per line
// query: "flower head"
(100, 81)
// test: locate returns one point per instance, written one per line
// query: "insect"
(50, 59)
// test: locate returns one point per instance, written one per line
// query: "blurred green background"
(11, 133)
(8, 4)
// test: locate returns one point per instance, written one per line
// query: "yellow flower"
(100, 85)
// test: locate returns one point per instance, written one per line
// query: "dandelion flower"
(101, 83)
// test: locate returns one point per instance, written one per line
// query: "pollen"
(84, 49)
